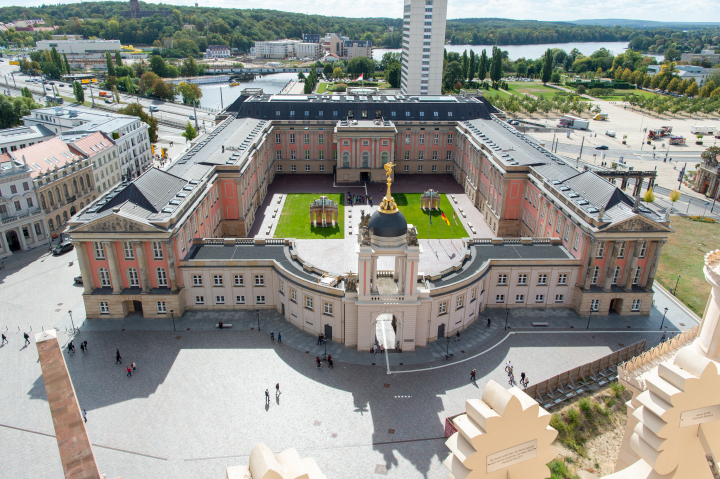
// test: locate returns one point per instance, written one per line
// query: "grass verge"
(409, 206)
(294, 221)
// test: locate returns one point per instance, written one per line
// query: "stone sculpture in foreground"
(264, 465)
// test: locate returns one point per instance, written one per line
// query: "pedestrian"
(272, 336)
(319, 339)
(85, 344)
(488, 322)
(507, 366)
(4, 339)
(382, 350)
(267, 397)
(525, 383)
(472, 376)
(317, 361)
(330, 363)
(522, 377)
(82, 347)
(118, 359)
(71, 347)
(84, 415)
(663, 339)
(277, 390)
(457, 336)
(512, 379)
(129, 372)
(510, 373)
(279, 337)
(374, 348)
(133, 366)
(27, 338)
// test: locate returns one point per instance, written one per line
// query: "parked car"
(78, 279)
(52, 83)
(154, 108)
(61, 84)
(62, 248)
(601, 147)
(192, 117)
(109, 101)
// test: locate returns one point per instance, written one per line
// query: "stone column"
(143, 266)
(5, 245)
(590, 263)
(21, 237)
(611, 256)
(87, 277)
(373, 276)
(653, 269)
(632, 266)
(241, 209)
(172, 264)
(111, 253)
(32, 233)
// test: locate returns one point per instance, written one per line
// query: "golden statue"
(388, 203)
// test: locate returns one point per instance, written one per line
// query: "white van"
(610, 133)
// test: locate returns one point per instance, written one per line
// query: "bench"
(539, 323)
(225, 325)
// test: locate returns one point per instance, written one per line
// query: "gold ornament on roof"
(388, 205)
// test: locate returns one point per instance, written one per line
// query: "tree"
(707, 89)
(452, 74)
(190, 92)
(649, 196)
(67, 65)
(110, 66)
(129, 86)
(301, 76)
(25, 92)
(79, 93)
(327, 70)
(496, 65)
(190, 133)
(692, 90)
(710, 156)
(337, 73)
(673, 85)
(110, 82)
(471, 67)
(547, 67)
(147, 82)
(581, 90)
(158, 65)
(674, 196)
(393, 75)
(361, 66)
(133, 109)
(555, 78)
(116, 94)
(189, 67)
(164, 90)
(482, 66)
(118, 59)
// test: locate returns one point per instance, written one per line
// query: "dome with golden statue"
(388, 221)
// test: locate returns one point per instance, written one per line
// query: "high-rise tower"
(423, 46)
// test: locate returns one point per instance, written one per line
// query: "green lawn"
(619, 95)
(684, 255)
(294, 221)
(409, 205)
(533, 88)
(322, 87)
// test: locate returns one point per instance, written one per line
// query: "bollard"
(43, 328)
(30, 328)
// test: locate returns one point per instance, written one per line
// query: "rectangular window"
(459, 302)
(420, 167)
(447, 168)
(616, 275)
(217, 280)
(595, 275)
(434, 168)
(636, 305)
(422, 139)
(600, 251)
(29, 202)
(292, 138)
(636, 277)
(307, 167)
(293, 296)
(292, 155)
(407, 154)
(321, 138)
(161, 307)
(293, 168)
(421, 155)
(259, 280)
(442, 309)
(328, 309)
(157, 250)
(259, 299)
(562, 279)
(436, 139)
(219, 299)
(450, 139)
(500, 298)
(104, 308)
(239, 299)
(542, 279)
(197, 280)
(502, 279)
(567, 232)
(407, 138)
(278, 155)
(539, 298)
(621, 252)
(594, 305)
(406, 168)
(128, 250)
(519, 298)
(279, 168)
(448, 155)
(277, 137)
(321, 155)
(643, 249)
(473, 293)
(434, 155)
(577, 241)
(199, 299)
(559, 298)
(99, 250)
(308, 302)
(307, 138)
(522, 280)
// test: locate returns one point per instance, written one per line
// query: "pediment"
(638, 224)
(116, 223)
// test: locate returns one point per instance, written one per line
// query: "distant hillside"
(507, 22)
(611, 22)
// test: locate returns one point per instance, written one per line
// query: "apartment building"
(423, 46)
(217, 51)
(710, 56)
(101, 152)
(21, 219)
(12, 139)
(357, 48)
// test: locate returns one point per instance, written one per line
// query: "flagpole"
(429, 222)
(440, 233)
(452, 225)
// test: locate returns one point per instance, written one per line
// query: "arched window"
(82, 184)
(75, 185)
(638, 275)
(73, 210)
(81, 205)
(50, 225)
(161, 278)
(65, 217)
(365, 159)
(42, 202)
(57, 193)
(384, 157)
(50, 198)
(104, 277)
(87, 178)
(133, 280)
(346, 159)
(65, 190)
(57, 220)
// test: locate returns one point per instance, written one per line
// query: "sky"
(547, 10)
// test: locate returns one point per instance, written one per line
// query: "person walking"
(279, 337)
(663, 339)
(277, 390)
(272, 336)
(82, 347)
(329, 360)
(457, 336)
(472, 376)
(27, 338)
(267, 397)
(488, 321)
(4, 340)
(85, 344)
(118, 359)
(71, 347)
(510, 373)
(382, 350)
(317, 361)
(522, 377)
(507, 366)
(512, 379)
(129, 372)
(132, 364)
(84, 415)
(319, 339)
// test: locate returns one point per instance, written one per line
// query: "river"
(526, 51)
(269, 83)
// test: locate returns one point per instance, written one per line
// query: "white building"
(276, 49)
(423, 45)
(128, 132)
(217, 51)
(79, 50)
(686, 72)
(21, 219)
(309, 50)
(12, 139)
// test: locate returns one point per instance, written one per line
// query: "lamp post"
(507, 312)
(676, 286)
(257, 311)
(71, 320)
(447, 348)
(590, 316)
(325, 342)
(663, 320)
(172, 315)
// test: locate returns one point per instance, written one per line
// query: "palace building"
(177, 240)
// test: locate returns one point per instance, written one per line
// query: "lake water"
(269, 83)
(527, 51)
